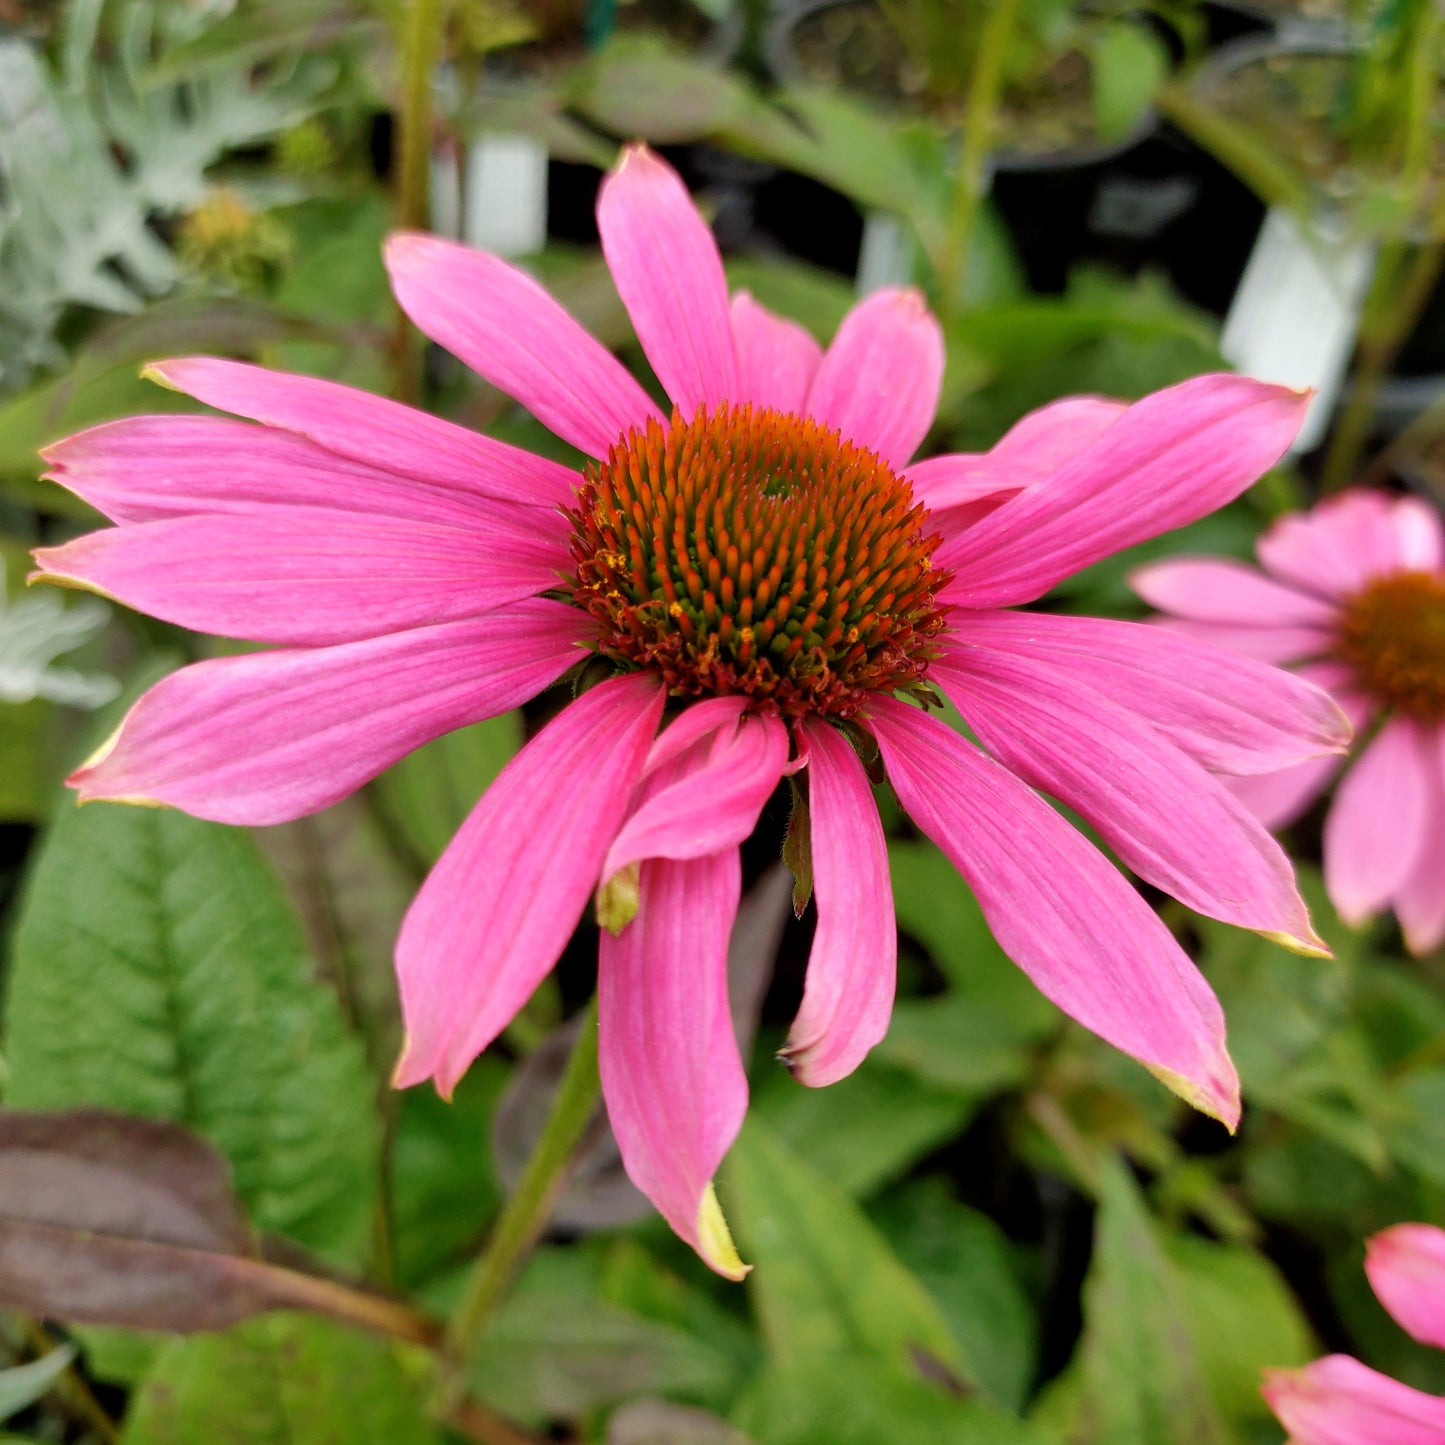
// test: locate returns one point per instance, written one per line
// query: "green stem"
(980, 115)
(1396, 298)
(525, 1214)
(420, 51)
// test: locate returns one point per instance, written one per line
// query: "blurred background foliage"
(998, 1231)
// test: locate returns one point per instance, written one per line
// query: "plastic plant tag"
(1294, 317)
(504, 197)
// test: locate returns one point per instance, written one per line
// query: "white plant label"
(1293, 319)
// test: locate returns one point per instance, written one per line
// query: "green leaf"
(158, 971)
(281, 1380)
(865, 1129)
(852, 1399)
(444, 1184)
(1129, 65)
(25, 1384)
(557, 1349)
(1242, 1316)
(427, 796)
(1143, 1382)
(971, 1269)
(824, 1280)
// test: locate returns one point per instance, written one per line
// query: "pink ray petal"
(698, 720)
(1231, 713)
(1170, 821)
(1221, 590)
(1339, 1401)
(1406, 1266)
(671, 1074)
(707, 799)
(1270, 644)
(1420, 900)
(777, 358)
(669, 274)
(1333, 549)
(272, 736)
(500, 905)
(152, 468)
(1059, 909)
(371, 429)
(1378, 821)
(1030, 453)
(1167, 460)
(510, 331)
(853, 965)
(1420, 535)
(879, 382)
(302, 575)
(1278, 799)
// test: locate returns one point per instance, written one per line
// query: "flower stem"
(1391, 309)
(421, 46)
(526, 1213)
(980, 115)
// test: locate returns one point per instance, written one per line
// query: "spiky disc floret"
(1392, 633)
(751, 551)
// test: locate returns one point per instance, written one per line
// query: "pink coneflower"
(1353, 596)
(765, 585)
(1339, 1401)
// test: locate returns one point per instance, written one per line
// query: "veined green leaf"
(158, 971)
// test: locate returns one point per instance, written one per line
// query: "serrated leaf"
(825, 1281)
(280, 1380)
(158, 971)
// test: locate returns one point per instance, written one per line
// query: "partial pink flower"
(1352, 596)
(767, 586)
(1339, 1401)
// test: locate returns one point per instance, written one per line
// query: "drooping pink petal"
(500, 905)
(510, 331)
(777, 358)
(271, 736)
(1231, 713)
(1406, 1267)
(1378, 821)
(1031, 452)
(1170, 821)
(671, 1074)
(669, 274)
(1270, 644)
(1221, 590)
(853, 965)
(708, 799)
(879, 382)
(1059, 909)
(1166, 460)
(304, 576)
(697, 721)
(1339, 1401)
(1420, 899)
(153, 468)
(371, 429)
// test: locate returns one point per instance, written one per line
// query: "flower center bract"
(1393, 634)
(751, 551)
